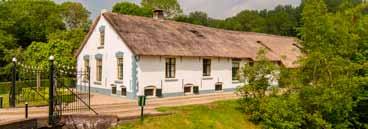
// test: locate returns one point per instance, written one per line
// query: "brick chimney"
(104, 11)
(158, 14)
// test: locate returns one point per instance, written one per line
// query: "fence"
(54, 85)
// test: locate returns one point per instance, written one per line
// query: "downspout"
(134, 84)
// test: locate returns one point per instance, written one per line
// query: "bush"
(284, 112)
(281, 112)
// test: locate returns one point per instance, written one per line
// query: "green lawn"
(36, 99)
(218, 115)
(5, 100)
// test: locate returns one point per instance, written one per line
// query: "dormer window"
(102, 36)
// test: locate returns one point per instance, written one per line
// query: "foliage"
(30, 21)
(74, 36)
(250, 21)
(132, 9)
(170, 7)
(197, 17)
(258, 77)
(280, 112)
(330, 86)
(283, 20)
(38, 53)
(74, 14)
(217, 115)
(23, 22)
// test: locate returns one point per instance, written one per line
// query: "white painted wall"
(151, 69)
(113, 44)
(188, 70)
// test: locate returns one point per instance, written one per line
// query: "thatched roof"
(146, 36)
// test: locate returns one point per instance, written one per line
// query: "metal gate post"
(12, 98)
(51, 120)
(89, 86)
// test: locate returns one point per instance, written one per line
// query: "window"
(86, 70)
(170, 68)
(123, 91)
(218, 86)
(120, 68)
(235, 69)
(150, 91)
(187, 89)
(98, 69)
(206, 67)
(102, 35)
(113, 90)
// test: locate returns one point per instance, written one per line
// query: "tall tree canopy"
(40, 23)
(30, 21)
(74, 14)
(283, 20)
(131, 9)
(330, 88)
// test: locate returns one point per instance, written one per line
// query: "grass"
(35, 99)
(5, 100)
(218, 115)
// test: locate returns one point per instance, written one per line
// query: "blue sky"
(215, 8)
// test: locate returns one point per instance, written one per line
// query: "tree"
(283, 20)
(257, 77)
(131, 9)
(332, 77)
(30, 21)
(7, 43)
(197, 17)
(74, 14)
(335, 5)
(250, 21)
(38, 52)
(170, 7)
(74, 36)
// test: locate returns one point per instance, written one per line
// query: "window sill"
(219, 91)
(100, 47)
(97, 83)
(236, 81)
(207, 78)
(171, 79)
(118, 81)
(85, 81)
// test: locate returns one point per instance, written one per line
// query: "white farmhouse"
(130, 56)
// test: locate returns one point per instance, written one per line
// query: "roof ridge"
(150, 37)
(185, 23)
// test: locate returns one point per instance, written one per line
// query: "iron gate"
(63, 88)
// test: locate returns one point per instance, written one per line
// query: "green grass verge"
(218, 115)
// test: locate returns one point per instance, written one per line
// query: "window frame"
(235, 75)
(120, 68)
(102, 36)
(99, 70)
(170, 67)
(114, 90)
(86, 69)
(206, 69)
(123, 92)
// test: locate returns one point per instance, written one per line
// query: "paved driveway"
(122, 107)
